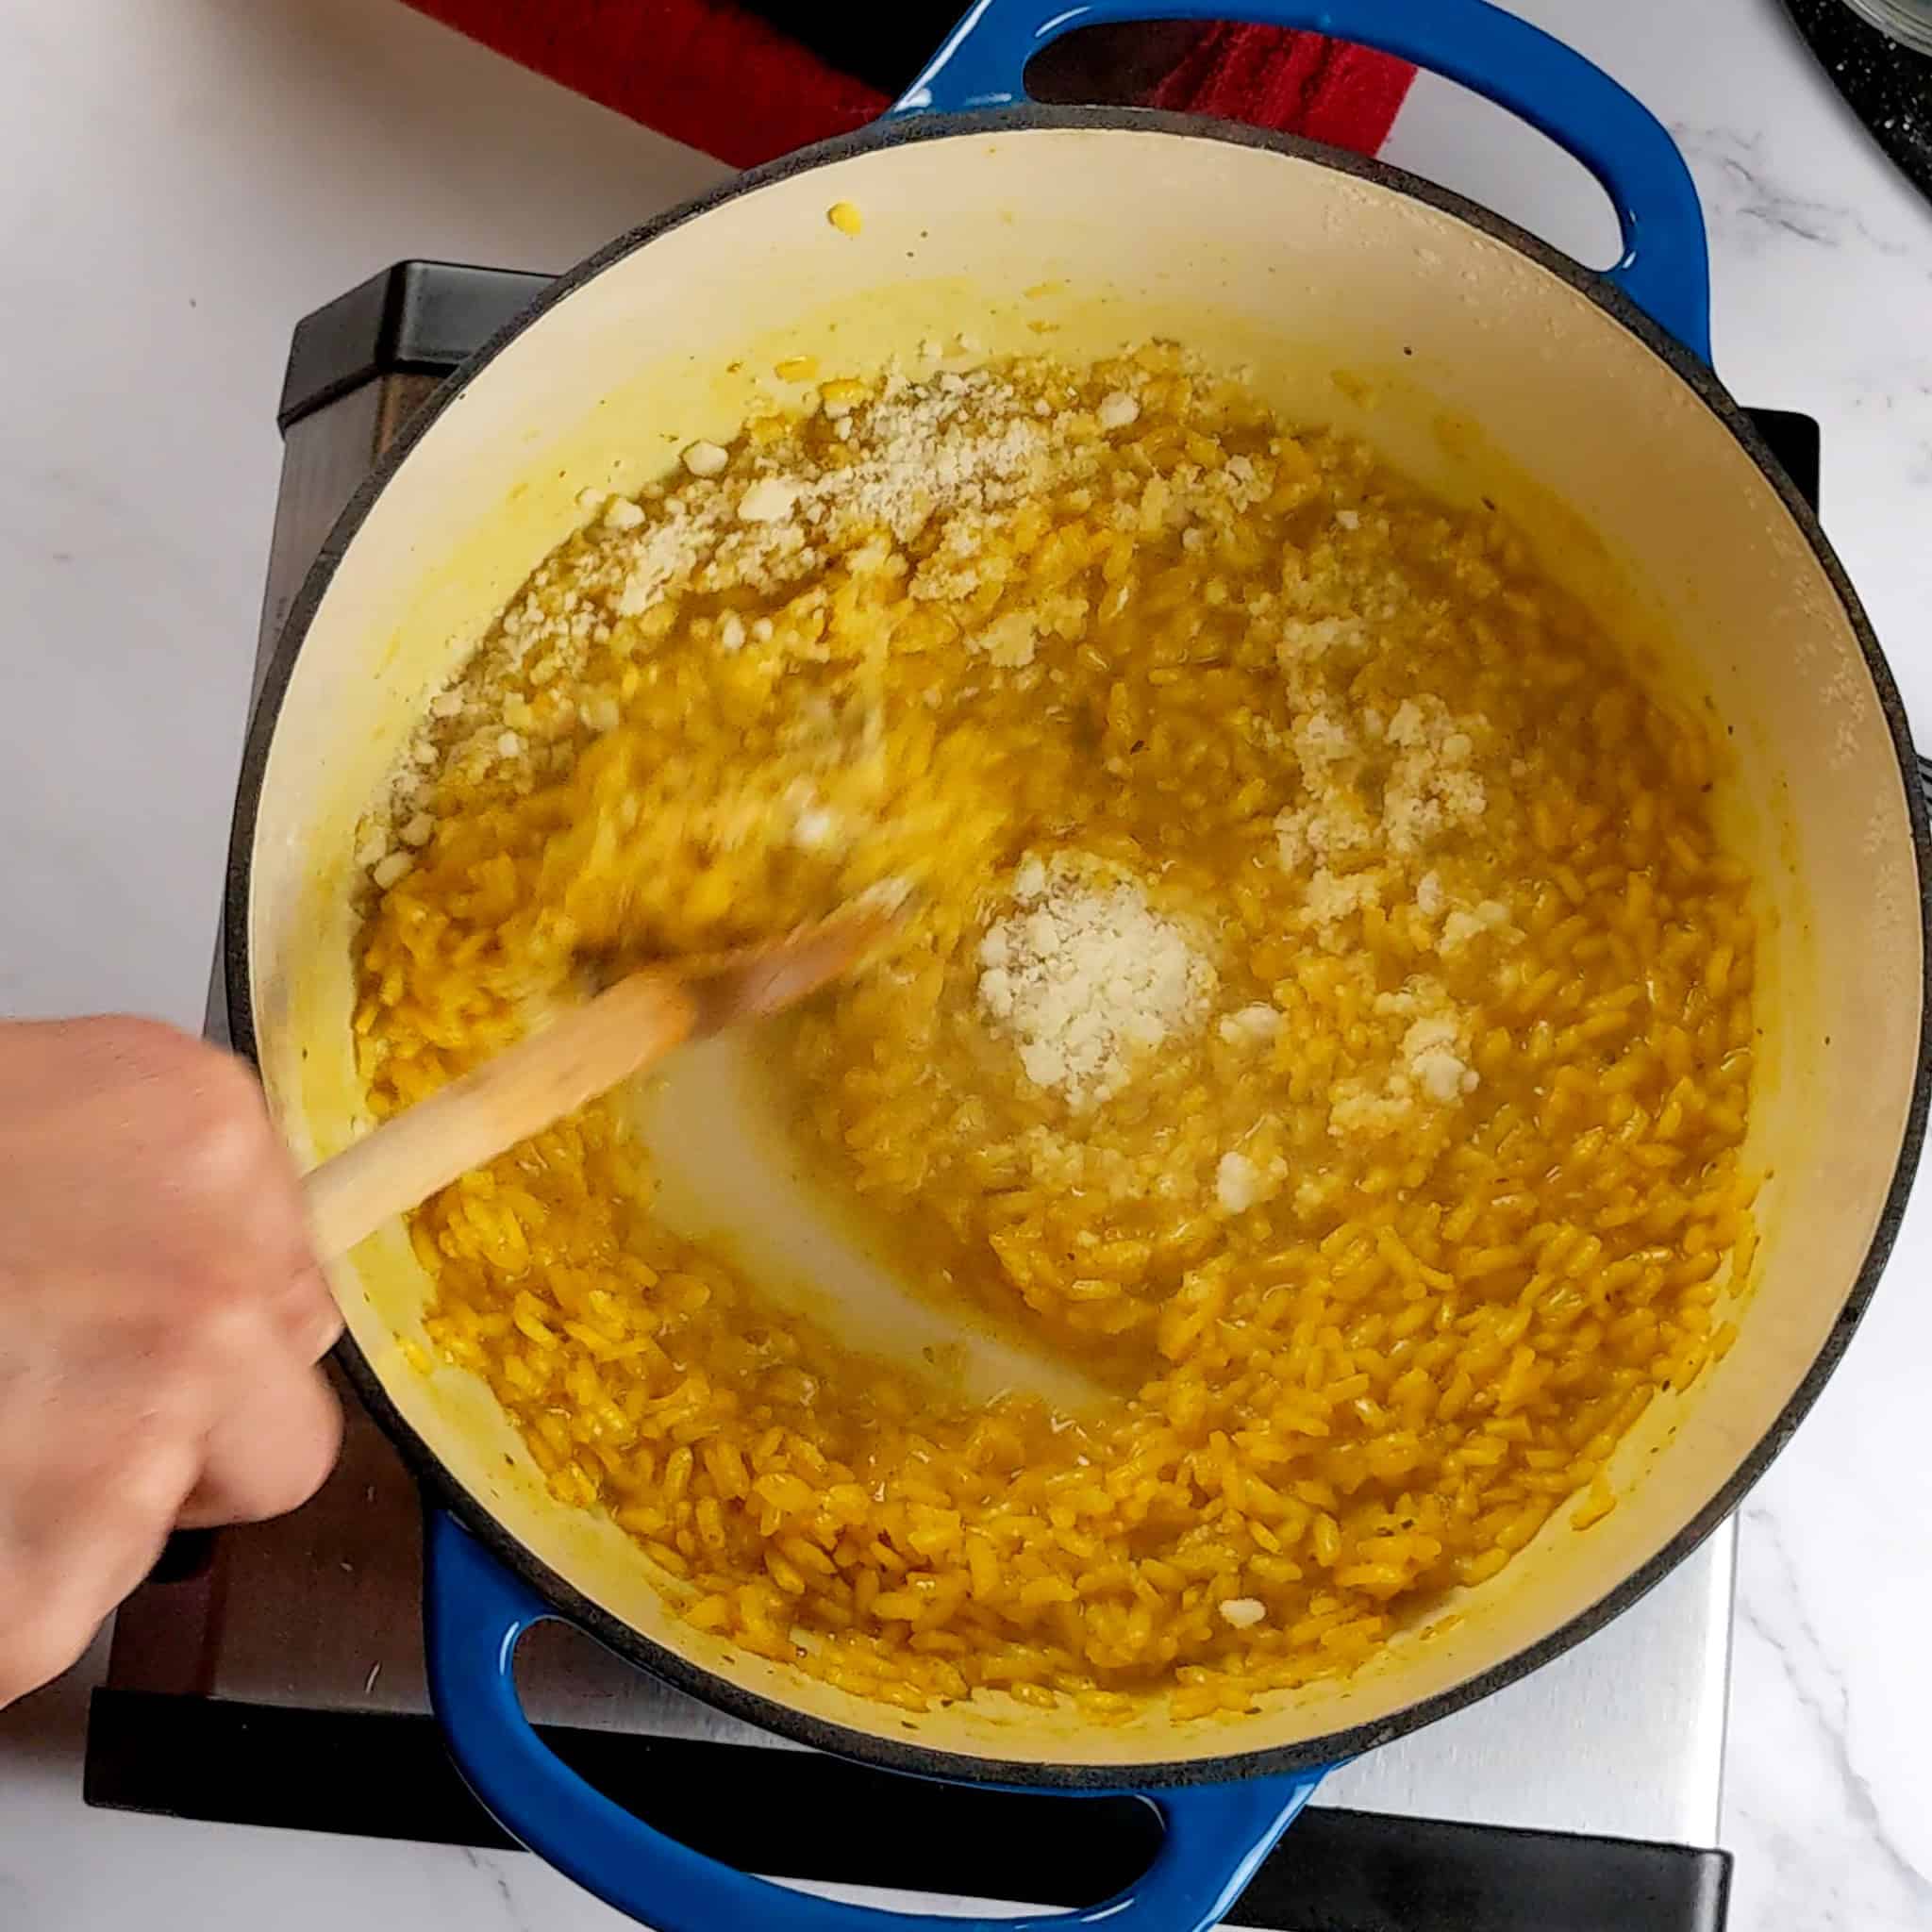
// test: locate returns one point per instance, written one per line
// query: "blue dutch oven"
(1476, 358)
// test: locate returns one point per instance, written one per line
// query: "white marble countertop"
(183, 181)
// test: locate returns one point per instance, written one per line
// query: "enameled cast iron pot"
(1474, 358)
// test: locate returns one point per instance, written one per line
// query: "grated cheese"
(1429, 1050)
(1430, 1066)
(1461, 926)
(769, 500)
(1085, 975)
(1253, 1025)
(1237, 1184)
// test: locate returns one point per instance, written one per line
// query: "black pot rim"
(443, 1487)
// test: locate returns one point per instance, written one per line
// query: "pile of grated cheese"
(1085, 975)
(954, 448)
(1384, 800)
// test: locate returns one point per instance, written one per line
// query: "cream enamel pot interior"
(1477, 360)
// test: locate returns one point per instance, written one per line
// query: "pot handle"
(475, 1613)
(1665, 268)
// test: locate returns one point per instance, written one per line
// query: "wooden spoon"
(586, 1052)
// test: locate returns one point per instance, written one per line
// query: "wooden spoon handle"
(582, 1054)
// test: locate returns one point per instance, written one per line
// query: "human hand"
(161, 1313)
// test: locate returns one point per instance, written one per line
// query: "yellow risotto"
(1324, 1016)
